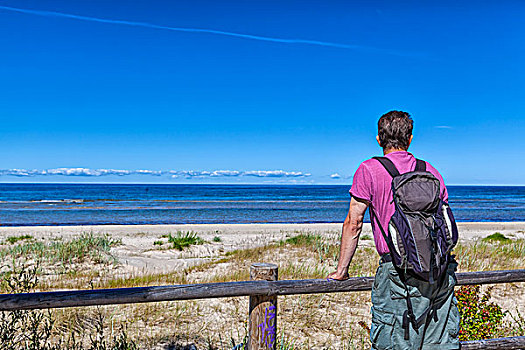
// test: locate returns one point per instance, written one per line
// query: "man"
(372, 188)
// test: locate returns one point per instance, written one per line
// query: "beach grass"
(86, 246)
(485, 255)
(183, 240)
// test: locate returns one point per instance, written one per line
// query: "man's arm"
(351, 231)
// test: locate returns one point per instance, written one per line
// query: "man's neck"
(390, 150)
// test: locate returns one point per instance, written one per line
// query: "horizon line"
(230, 184)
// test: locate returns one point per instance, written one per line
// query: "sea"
(132, 204)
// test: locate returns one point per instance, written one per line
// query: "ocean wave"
(53, 201)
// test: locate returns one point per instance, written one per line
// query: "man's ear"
(410, 140)
(379, 142)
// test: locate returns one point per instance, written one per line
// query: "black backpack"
(422, 231)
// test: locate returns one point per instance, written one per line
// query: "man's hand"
(338, 276)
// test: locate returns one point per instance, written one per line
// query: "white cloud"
(225, 173)
(148, 172)
(275, 173)
(189, 174)
(85, 172)
(235, 173)
(18, 172)
(67, 172)
(443, 127)
(335, 176)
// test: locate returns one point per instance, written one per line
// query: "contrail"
(201, 30)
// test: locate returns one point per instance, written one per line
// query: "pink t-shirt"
(373, 183)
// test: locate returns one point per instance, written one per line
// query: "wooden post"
(262, 324)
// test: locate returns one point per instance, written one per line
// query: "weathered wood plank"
(489, 277)
(44, 300)
(494, 344)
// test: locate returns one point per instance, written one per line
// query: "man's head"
(394, 131)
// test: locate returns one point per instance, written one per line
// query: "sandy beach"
(317, 321)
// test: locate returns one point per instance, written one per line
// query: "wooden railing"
(263, 290)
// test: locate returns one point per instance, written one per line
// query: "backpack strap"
(373, 217)
(421, 165)
(388, 165)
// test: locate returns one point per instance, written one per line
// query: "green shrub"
(158, 243)
(497, 237)
(217, 239)
(14, 239)
(302, 239)
(479, 318)
(182, 240)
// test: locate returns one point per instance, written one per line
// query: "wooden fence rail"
(45, 300)
(263, 290)
(494, 344)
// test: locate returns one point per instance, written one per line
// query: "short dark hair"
(394, 130)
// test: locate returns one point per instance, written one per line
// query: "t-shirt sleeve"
(362, 184)
(444, 193)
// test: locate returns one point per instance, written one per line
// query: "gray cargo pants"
(389, 304)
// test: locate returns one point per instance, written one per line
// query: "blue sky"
(85, 100)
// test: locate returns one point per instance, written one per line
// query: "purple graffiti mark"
(268, 326)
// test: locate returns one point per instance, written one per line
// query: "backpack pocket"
(410, 245)
(450, 225)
